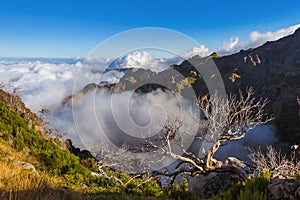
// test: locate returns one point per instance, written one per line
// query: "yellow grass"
(19, 183)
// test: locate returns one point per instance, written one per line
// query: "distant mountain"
(273, 69)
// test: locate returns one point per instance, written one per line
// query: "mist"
(259, 137)
(118, 116)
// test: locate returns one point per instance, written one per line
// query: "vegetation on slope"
(60, 174)
(256, 189)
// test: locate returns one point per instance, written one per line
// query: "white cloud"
(255, 39)
(47, 84)
(145, 60)
(41, 83)
(139, 59)
(228, 46)
(201, 50)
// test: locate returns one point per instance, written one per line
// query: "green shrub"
(181, 192)
(255, 189)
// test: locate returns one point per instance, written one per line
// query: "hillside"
(33, 166)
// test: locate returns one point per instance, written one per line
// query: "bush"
(181, 192)
(255, 189)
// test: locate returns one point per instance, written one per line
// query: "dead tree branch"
(227, 120)
(279, 164)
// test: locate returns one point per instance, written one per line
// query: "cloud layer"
(47, 84)
(255, 39)
(234, 44)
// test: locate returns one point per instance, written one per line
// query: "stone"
(26, 166)
(284, 189)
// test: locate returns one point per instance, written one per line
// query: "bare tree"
(121, 159)
(15, 97)
(225, 120)
(3, 85)
(298, 100)
(279, 164)
(16, 91)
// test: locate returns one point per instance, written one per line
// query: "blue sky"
(55, 28)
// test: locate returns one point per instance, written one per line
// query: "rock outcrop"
(284, 189)
(15, 104)
(82, 154)
(26, 166)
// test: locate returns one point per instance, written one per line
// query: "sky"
(73, 28)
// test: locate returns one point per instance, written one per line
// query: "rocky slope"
(273, 69)
(14, 103)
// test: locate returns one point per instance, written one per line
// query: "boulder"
(284, 189)
(26, 166)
